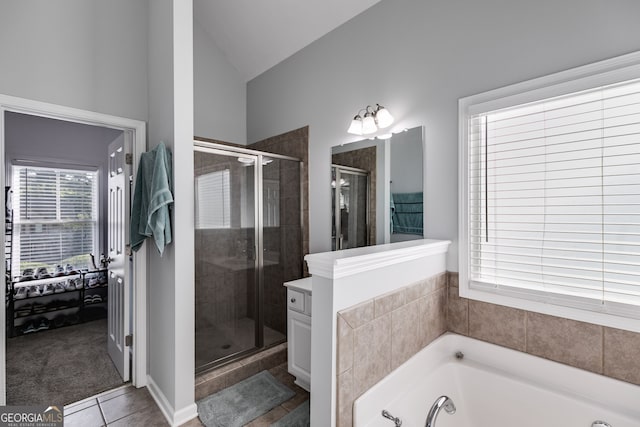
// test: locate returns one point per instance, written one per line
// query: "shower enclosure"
(349, 207)
(248, 242)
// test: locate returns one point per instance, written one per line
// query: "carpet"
(243, 402)
(299, 417)
(60, 366)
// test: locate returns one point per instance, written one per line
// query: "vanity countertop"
(303, 285)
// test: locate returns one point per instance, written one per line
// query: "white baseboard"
(174, 418)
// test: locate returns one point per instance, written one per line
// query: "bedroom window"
(550, 195)
(55, 217)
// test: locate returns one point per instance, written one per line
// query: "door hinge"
(128, 158)
(128, 340)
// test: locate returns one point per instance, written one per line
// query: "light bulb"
(383, 117)
(356, 126)
(368, 124)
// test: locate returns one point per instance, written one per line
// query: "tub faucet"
(441, 402)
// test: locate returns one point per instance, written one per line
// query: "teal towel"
(393, 209)
(407, 213)
(151, 199)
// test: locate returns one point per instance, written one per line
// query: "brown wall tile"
(405, 332)
(358, 315)
(345, 397)
(388, 302)
(419, 289)
(622, 355)
(497, 324)
(453, 279)
(433, 316)
(372, 350)
(441, 281)
(345, 345)
(567, 341)
(457, 313)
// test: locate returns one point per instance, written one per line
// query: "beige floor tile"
(89, 417)
(267, 419)
(195, 422)
(151, 416)
(126, 404)
(79, 406)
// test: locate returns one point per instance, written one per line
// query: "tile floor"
(128, 406)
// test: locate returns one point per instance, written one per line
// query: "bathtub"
(493, 386)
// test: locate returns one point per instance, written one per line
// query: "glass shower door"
(226, 274)
(350, 191)
(281, 241)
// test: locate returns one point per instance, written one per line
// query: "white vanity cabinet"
(299, 331)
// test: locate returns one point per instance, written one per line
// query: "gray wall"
(171, 276)
(220, 95)
(88, 54)
(130, 58)
(406, 161)
(417, 58)
(59, 142)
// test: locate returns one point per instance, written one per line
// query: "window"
(550, 188)
(213, 200)
(55, 216)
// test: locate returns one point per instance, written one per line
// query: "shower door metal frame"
(258, 156)
(337, 217)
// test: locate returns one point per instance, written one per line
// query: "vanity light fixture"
(247, 161)
(372, 120)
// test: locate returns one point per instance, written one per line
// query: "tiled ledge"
(215, 380)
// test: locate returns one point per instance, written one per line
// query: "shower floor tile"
(218, 341)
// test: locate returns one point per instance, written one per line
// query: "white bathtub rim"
(608, 393)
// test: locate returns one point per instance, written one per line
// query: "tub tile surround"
(378, 335)
(500, 325)
(408, 319)
(603, 350)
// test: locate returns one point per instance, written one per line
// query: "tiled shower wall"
(295, 144)
(410, 318)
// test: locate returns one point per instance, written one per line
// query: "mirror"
(376, 189)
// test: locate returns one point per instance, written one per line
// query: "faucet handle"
(396, 420)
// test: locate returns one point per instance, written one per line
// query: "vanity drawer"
(295, 300)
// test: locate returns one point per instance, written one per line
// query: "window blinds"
(213, 200)
(554, 203)
(55, 216)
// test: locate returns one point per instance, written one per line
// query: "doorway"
(49, 309)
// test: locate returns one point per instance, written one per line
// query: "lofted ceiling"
(256, 35)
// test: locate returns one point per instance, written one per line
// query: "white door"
(118, 274)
